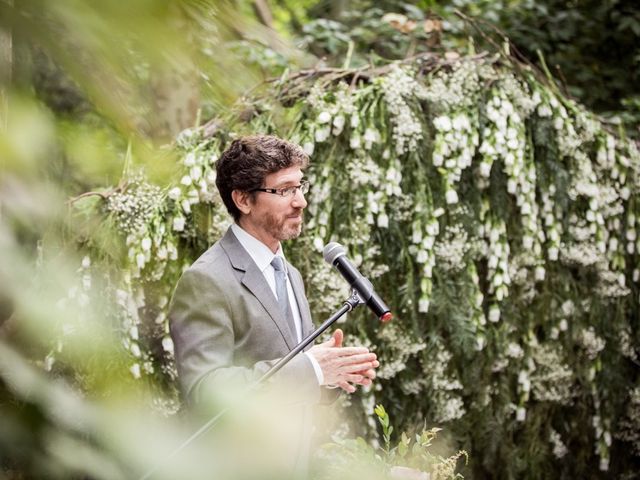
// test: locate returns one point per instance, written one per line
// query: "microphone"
(335, 254)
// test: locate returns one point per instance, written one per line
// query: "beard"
(283, 227)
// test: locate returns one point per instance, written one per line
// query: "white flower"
(563, 325)
(194, 196)
(338, 124)
(485, 169)
(511, 133)
(133, 332)
(604, 464)
(308, 148)
(625, 193)
(135, 370)
(553, 254)
(451, 197)
(355, 121)
(494, 314)
(174, 193)
(321, 134)
(162, 316)
(559, 448)
(171, 248)
(178, 224)
(190, 159)
(423, 305)
(461, 122)
(167, 344)
(186, 180)
(324, 117)
(524, 381)
(438, 212)
(514, 350)
(146, 244)
(501, 292)
(438, 160)
(540, 273)
(370, 137)
(135, 350)
(544, 111)
(141, 259)
(383, 220)
(48, 362)
(442, 123)
(195, 173)
(521, 414)
(354, 142)
(86, 262)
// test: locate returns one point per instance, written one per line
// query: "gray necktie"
(281, 292)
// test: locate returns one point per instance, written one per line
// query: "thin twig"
(72, 200)
(104, 195)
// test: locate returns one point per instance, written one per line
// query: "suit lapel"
(254, 280)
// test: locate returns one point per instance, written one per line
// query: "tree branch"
(263, 12)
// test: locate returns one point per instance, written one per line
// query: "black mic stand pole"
(349, 304)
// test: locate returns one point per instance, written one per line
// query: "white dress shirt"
(262, 256)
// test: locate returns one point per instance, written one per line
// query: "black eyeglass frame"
(285, 191)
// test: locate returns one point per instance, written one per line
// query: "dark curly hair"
(248, 160)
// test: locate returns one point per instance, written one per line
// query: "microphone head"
(332, 251)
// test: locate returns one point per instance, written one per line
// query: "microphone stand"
(349, 304)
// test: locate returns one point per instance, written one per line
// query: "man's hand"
(344, 366)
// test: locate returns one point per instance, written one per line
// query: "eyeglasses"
(286, 191)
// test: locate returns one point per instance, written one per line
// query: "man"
(240, 307)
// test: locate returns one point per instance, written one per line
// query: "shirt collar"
(258, 251)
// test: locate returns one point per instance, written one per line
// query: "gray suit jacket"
(227, 327)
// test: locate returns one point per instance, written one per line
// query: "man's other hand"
(344, 366)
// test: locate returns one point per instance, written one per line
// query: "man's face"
(274, 218)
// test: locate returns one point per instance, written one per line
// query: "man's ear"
(243, 201)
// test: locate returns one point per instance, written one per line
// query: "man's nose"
(298, 200)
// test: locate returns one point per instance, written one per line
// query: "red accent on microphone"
(386, 317)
